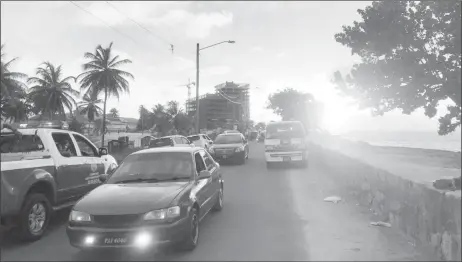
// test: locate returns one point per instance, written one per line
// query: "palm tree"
(89, 106)
(13, 90)
(17, 110)
(11, 83)
(173, 108)
(158, 109)
(114, 113)
(52, 94)
(102, 73)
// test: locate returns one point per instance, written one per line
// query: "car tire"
(192, 237)
(34, 217)
(219, 204)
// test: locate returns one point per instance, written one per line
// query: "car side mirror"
(204, 174)
(102, 151)
(103, 178)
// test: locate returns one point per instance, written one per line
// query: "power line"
(144, 28)
(88, 12)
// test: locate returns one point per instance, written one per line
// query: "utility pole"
(197, 89)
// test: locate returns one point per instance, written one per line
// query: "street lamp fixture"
(197, 77)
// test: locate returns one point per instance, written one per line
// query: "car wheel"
(192, 237)
(219, 204)
(34, 217)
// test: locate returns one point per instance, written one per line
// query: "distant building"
(228, 106)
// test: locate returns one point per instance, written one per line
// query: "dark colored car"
(233, 147)
(155, 196)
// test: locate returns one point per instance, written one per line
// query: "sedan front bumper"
(136, 237)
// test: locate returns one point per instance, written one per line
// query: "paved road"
(268, 215)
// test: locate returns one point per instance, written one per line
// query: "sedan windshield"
(153, 167)
(228, 139)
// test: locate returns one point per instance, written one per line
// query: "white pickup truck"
(43, 170)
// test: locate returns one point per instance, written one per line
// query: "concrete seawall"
(429, 217)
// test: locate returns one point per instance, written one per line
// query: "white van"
(286, 141)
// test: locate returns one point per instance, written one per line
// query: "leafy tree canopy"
(410, 58)
(291, 104)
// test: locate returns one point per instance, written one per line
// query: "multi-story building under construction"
(229, 105)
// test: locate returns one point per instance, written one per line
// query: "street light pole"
(197, 77)
(197, 88)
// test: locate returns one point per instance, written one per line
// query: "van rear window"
(285, 130)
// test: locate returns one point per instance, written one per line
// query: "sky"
(278, 45)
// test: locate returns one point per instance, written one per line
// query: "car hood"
(220, 146)
(132, 198)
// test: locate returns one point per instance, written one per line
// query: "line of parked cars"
(231, 146)
(157, 195)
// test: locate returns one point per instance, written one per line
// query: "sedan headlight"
(239, 149)
(163, 213)
(77, 216)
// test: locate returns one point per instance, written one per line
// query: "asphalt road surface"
(276, 214)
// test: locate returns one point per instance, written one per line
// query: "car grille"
(116, 220)
(224, 151)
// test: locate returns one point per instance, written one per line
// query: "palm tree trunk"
(104, 116)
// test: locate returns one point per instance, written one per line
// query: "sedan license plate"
(115, 240)
(286, 158)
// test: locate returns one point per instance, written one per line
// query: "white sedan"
(201, 140)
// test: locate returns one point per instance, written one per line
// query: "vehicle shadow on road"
(10, 239)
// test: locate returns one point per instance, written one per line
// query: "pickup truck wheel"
(34, 217)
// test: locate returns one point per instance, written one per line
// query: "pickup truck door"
(93, 164)
(70, 169)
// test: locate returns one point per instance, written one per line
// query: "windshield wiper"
(137, 180)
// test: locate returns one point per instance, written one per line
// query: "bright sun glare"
(337, 111)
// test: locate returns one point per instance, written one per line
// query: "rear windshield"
(228, 139)
(193, 138)
(161, 142)
(285, 130)
(23, 144)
